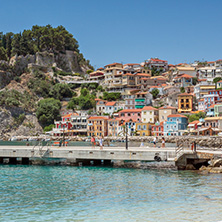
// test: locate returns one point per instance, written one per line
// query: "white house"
(149, 114)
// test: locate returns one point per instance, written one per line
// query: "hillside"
(32, 66)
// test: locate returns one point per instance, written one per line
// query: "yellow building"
(97, 126)
(143, 129)
(185, 103)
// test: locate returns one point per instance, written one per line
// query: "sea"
(64, 193)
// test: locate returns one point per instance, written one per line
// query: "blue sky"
(127, 30)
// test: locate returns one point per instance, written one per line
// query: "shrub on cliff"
(48, 111)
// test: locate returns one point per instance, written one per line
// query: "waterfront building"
(143, 129)
(149, 114)
(175, 125)
(158, 129)
(127, 114)
(165, 111)
(97, 126)
(185, 103)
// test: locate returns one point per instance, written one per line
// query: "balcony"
(140, 100)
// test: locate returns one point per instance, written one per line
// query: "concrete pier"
(85, 155)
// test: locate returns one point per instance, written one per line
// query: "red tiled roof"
(186, 76)
(110, 103)
(128, 74)
(210, 62)
(212, 106)
(200, 80)
(167, 107)
(171, 65)
(143, 74)
(163, 85)
(149, 108)
(158, 60)
(155, 87)
(131, 64)
(176, 115)
(98, 117)
(194, 122)
(101, 68)
(130, 111)
(220, 81)
(70, 114)
(113, 64)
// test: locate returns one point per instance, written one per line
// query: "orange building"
(97, 126)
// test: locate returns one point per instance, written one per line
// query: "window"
(139, 127)
(144, 119)
(144, 127)
(144, 134)
(144, 113)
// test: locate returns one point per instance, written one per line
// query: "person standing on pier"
(154, 141)
(93, 141)
(163, 142)
(101, 142)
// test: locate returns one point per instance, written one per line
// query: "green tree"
(217, 79)
(111, 96)
(197, 116)
(195, 80)
(155, 93)
(48, 111)
(3, 55)
(182, 89)
(60, 91)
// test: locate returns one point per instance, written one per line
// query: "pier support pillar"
(25, 161)
(106, 162)
(1, 160)
(12, 160)
(96, 162)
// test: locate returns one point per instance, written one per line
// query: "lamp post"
(126, 130)
(63, 130)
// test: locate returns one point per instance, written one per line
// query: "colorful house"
(97, 126)
(143, 129)
(165, 111)
(149, 114)
(175, 125)
(185, 103)
(157, 129)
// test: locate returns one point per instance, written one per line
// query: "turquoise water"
(46, 193)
